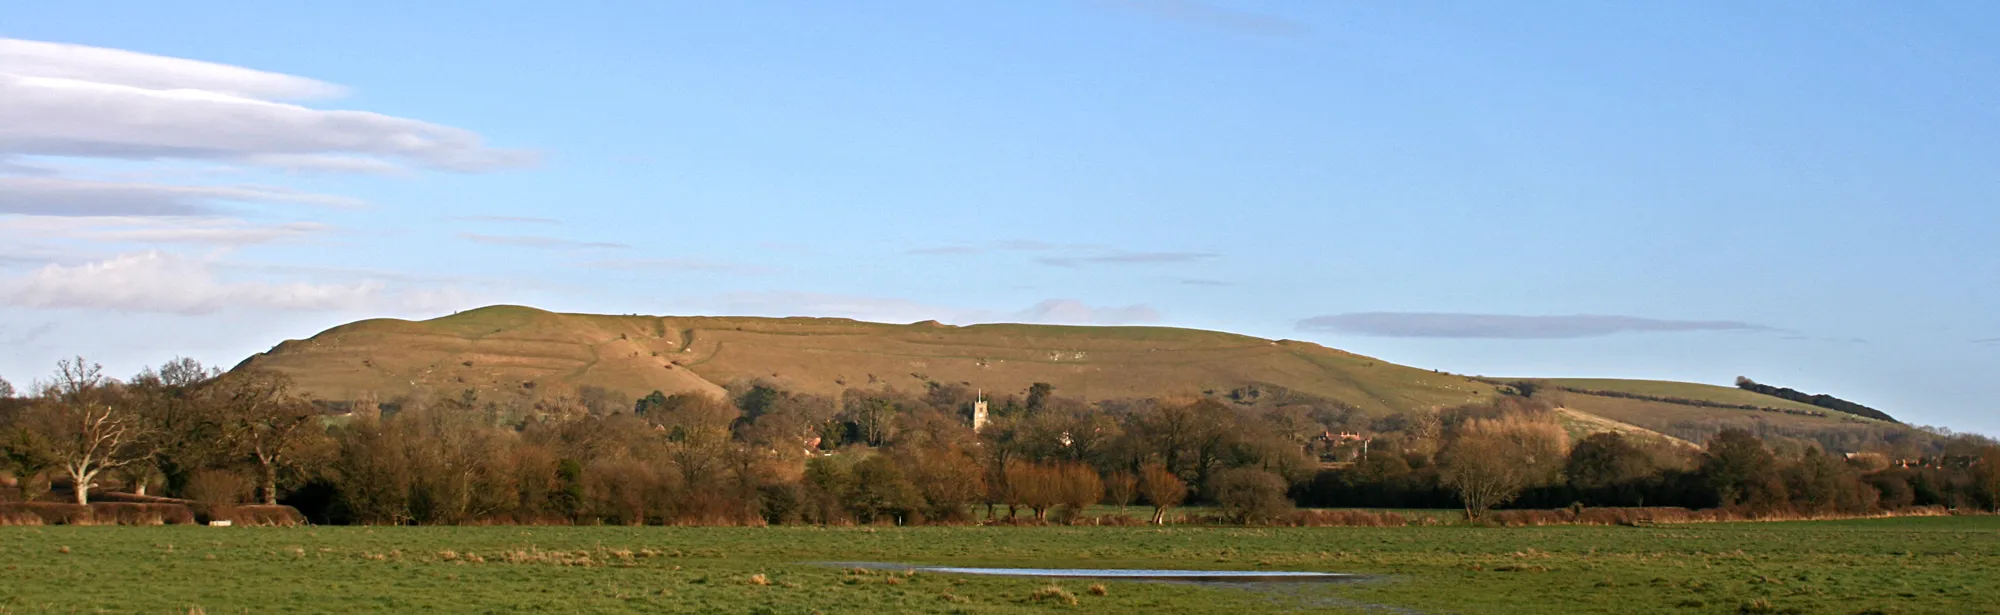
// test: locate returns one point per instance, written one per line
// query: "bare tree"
(88, 433)
(183, 372)
(1120, 487)
(262, 416)
(1034, 486)
(6, 389)
(1079, 487)
(1491, 461)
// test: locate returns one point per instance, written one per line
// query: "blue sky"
(1798, 192)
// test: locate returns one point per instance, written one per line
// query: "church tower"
(979, 412)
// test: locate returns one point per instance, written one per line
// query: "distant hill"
(520, 351)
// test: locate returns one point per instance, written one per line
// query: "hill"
(526, 352)
(519, 349)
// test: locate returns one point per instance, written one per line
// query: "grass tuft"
(1053, 593)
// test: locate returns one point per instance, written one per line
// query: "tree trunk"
(82, 488)
(270, 484)
(1159, 515)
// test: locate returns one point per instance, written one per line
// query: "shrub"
(278, 515)
(213, 489)
(1162, 489)
(1249, 495)
(46, 513)
(1346, 518)
(127, 513)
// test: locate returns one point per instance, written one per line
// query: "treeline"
(1822, 400)
(762, 455)
(1734, 471)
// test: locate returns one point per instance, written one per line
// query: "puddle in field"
(1286, 589)
(1129, 574)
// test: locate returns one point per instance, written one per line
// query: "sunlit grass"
(1927, 565)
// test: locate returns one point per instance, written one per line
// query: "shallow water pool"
(1137, 574)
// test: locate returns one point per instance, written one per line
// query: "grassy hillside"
(1684, 390)
(510, 349)
(1582, 425)
(523, 352)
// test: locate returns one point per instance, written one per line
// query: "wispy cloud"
(1204, 14)
(56, 196)
(12, 165)
(156, 230)
(540, 242)
(1126, 258)
(1201, 282)
(74, 100)
(506, 219)
(157, 281)
(685, 265)
(16, 336)
(1990, 341)
(1501, 326)
(324, 163)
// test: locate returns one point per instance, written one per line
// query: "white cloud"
(324, 163)
(97, 64)
(156, 281)
(73, 100)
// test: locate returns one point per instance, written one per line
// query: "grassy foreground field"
(1926, 565)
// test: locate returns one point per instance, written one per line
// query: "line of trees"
(761, 454)
(1822, 400)
(1494, 456)
(184, 427)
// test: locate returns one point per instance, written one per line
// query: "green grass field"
(1919, 565)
